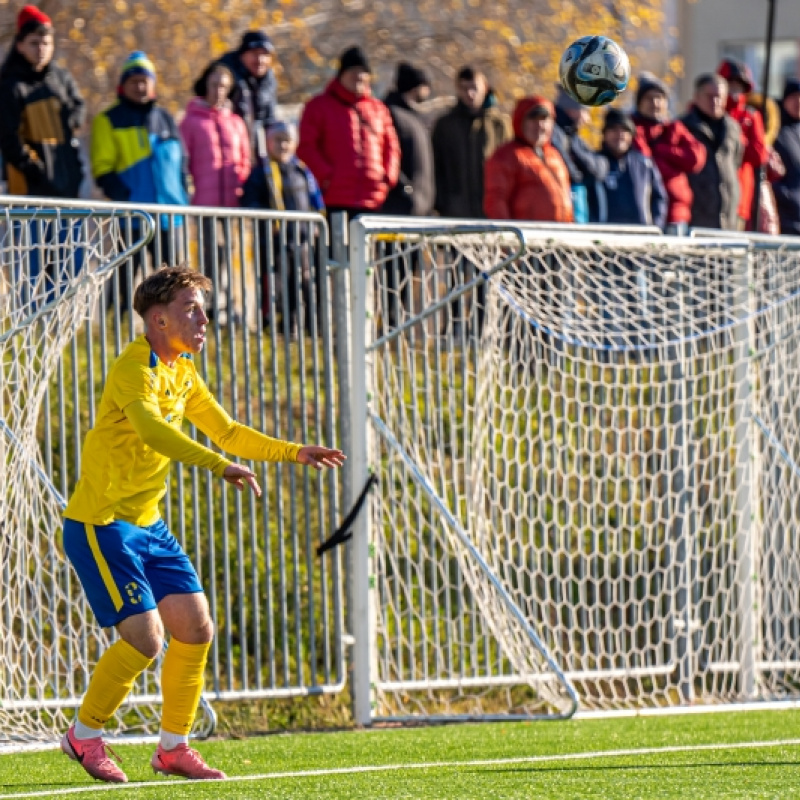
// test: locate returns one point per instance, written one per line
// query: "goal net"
(588, 470)
(53, 265)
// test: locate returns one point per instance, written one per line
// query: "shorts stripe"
(102, 565)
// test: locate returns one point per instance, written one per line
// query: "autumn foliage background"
(517, 42)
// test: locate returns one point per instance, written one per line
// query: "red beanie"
(30, 18)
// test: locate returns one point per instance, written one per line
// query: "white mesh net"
(53, 265)
(612, 425)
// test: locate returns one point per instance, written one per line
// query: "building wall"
(712, 29)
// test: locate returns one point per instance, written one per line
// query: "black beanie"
(647, 83)
(616, 118)
(409, 78)
(353, 57)
(792, 87)
(256, 40)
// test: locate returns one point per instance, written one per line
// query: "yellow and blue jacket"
(137, 155)
(40, 113)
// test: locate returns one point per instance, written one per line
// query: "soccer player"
(135, 574)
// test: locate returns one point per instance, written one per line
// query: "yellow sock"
(182, 684)
(111, 681)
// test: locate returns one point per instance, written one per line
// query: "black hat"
(409, 78)
(648, 83)
(792, 87)
(616, 118)
(256, 40)
(353, 57)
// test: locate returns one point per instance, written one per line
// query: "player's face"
(37, 49)
(185, 321)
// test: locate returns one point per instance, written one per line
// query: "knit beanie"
(792, 87)
(648, 83)
(734, 70)
(353, 57)
(280, 127)
(256, 40)
(30, 19)
(617, 118)
(137, 64)
(409, 78)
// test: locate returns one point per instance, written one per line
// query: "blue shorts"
(127, 570)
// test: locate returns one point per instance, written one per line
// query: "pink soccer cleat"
(184, 762)
(91, 754)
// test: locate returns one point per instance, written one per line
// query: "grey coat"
(716, 186)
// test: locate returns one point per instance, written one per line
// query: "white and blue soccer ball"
(594, 70)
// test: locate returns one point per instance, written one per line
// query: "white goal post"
(587, 470)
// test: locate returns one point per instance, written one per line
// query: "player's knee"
(143, 632)
(205, 631)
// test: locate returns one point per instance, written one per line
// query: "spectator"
(715, 188)
(632, 193)
(414, 192)
(42, 110)
(218, 149)
(255, 91)
(526, 178)
(463, 138)
(283, 183)
(676, 153)
(787, 146)
(216, 141)
(348, 141)
(582, 162)
(137, 157)
(756, 152)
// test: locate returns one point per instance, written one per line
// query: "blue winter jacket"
(648, 189)
(787, 189)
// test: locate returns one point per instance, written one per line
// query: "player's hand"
(318, 457)
(239, 476)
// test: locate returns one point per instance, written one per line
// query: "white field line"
(168, 785)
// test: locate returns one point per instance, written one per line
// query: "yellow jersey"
(126, 455)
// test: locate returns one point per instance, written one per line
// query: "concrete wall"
(711, 29)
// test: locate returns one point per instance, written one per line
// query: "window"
(785, 61)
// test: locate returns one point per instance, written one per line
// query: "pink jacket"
(350, 145)
(218, 146)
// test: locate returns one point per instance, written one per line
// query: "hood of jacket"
(345, 96)
(524, 107)
(200, 109)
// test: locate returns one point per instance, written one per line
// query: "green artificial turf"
(458, 760)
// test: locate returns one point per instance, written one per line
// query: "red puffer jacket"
(756, 152)
(677, 154)
(518, 184)
(349, 143)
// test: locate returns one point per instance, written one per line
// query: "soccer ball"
(594, 70)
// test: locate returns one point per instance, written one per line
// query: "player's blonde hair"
(161, 287)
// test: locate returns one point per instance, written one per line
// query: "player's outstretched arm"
(313, 455)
